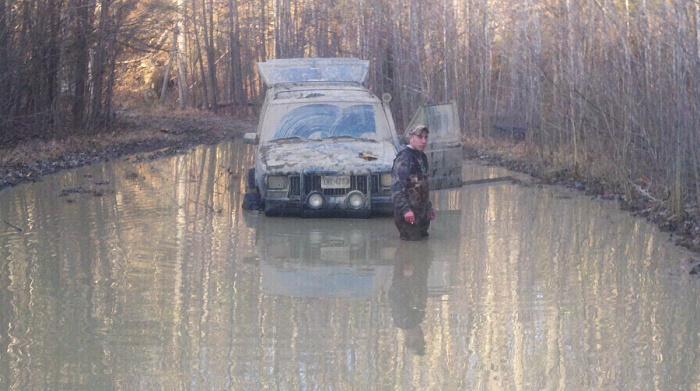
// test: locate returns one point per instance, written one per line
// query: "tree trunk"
(180, 50)
(237, 92)
(263, 32)
(199, 56)
(5, 86)
(98, 72)
(166, 76)
(83, 24)
(211, 56)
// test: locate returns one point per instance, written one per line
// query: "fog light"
(355, 199)
(315, 237)
(315, 200)
(386, 180)
(357, 238)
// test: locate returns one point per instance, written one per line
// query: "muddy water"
(147, 275)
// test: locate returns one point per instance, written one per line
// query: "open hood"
(337, 155)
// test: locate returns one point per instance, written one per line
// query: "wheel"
(251, 180)
(252, 200)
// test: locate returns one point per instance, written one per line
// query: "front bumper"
(305, 196)
(378, 206)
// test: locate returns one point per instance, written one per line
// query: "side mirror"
(251, 138)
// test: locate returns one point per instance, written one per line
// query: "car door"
(444, 149)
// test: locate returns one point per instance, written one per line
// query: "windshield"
(323, 120)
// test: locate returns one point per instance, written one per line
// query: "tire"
(252, 201)
(250, 184)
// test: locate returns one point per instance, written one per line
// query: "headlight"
(315, 237)
(386, 180)
(276, 182)
(355, 200)
(315, 200)
(357, 238)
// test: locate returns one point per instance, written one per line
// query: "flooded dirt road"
(140, 275)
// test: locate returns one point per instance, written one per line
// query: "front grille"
(374, 186)
(294, 186)
(357, 182)
(311, 183)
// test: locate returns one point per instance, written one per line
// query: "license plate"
(335, 253)
(335, 182)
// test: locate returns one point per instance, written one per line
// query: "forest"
(607, 89)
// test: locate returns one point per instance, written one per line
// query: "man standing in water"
(409, 190)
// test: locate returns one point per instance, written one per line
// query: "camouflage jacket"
(409, 177)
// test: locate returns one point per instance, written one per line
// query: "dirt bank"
(684, 229)
(163, 132)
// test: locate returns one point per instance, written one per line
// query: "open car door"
(444, 148)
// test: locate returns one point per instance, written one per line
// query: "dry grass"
(171, 131)
(32, 150)
(154, 126)
(597, 176)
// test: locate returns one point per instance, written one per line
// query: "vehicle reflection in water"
(358, 259)
(337, 257)
(324, 257)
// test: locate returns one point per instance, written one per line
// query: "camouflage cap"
(416, 130)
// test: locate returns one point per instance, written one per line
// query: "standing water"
(139, 275)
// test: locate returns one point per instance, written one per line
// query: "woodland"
(604, 89)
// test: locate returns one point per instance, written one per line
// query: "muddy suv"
(325, 144)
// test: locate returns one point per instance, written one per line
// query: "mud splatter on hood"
(340, 155)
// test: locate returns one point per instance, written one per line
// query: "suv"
(325, 144)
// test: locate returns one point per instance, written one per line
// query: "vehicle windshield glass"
(323, 120)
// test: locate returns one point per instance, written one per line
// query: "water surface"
(148, 275)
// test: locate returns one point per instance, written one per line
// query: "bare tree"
(606, 89)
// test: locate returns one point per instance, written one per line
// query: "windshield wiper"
(352, 137)
(289, 138)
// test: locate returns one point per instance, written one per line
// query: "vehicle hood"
(335, 155)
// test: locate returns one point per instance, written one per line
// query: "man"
(409, 190)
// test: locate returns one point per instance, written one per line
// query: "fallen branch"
(643, 192)
(489, 180)
(13, 226)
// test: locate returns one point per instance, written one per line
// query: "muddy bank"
(157, 134)
(684, 229)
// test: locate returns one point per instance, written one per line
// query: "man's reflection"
(409, 292)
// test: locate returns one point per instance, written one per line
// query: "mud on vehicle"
(325, 144)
